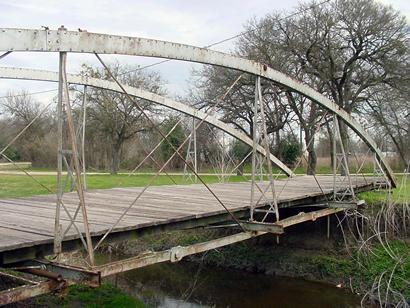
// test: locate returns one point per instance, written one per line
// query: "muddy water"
(192, 285)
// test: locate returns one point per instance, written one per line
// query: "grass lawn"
(87, 297)
(400, 194)
(320, 169)
(12, 186)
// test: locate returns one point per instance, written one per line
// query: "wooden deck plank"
(29, 221)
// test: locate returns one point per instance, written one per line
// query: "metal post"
(223, 159)
(254, 145)
(195, 151)
(259, 162)
(334, 156)
(74, 148)
(191, 156)
(379, 172)
(83, 137)
(344, 159)
(266, 144)
(57, 226)
(328, 227)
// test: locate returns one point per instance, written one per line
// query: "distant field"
(12, 166)
(362, 162)
(12, 186)
(400, 194)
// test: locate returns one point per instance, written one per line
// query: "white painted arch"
(87, 42)
(42, 75)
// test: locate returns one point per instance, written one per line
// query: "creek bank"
(304, 252)
(83, 296)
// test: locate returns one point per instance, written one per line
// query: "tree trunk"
(312, 157)
(115, 158)
(399, 147)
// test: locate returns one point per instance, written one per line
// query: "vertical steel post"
(223, 159)
(57, 225)
(254, 145)
(328, 227)
(83, 137)
(259, 159)
(77, 169)
(195, 150)
(266, 145)
(187, 174)
(344, 159)
(378, 171)
(334, 156)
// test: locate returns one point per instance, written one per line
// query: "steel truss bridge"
(35, 227)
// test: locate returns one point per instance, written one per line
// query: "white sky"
(192, 22)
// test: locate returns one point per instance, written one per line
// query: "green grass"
(84, 296)
(380, 262)
(12, 186)
(320, 169)
(400, 194)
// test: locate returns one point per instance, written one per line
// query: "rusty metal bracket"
(58, 277)
(70, 273)
(24, 292)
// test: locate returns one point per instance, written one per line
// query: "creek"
(189, 285)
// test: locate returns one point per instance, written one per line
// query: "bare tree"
(389, 110)
(343, 49)
(237, 107)
(350, 46)
(23, 108)
(112, 115)
(38, 141)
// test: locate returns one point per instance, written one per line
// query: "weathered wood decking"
(27, 222)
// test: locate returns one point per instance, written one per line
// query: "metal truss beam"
(60, 275)
(174, 254)
(177, 253)
(263, 227)
(41, 75)
(73, 274)
(87, 42)
(310, 216)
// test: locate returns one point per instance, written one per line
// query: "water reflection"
(190, 285)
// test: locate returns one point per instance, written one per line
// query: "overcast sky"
(192, 22)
